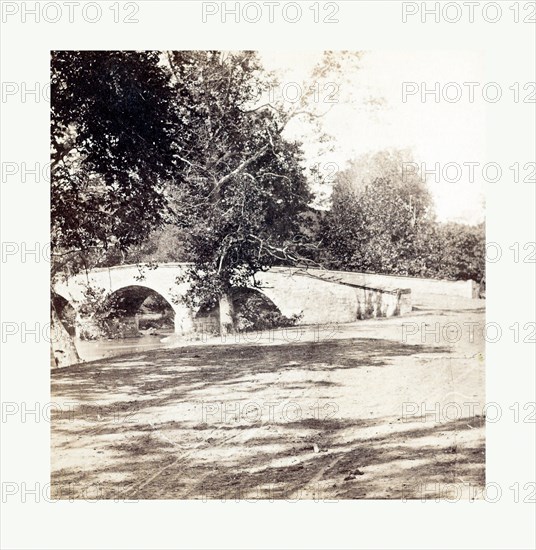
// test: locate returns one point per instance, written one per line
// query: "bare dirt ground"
(384, 408)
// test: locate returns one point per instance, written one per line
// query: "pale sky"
(435, 132)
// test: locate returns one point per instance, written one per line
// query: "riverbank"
(359, 412)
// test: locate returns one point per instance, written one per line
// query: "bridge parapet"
(314, 296)
(322, 299)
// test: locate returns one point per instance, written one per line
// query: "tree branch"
(239, 168)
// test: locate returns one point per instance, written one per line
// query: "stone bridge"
(317, 297)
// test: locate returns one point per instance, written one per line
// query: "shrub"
(254, 311)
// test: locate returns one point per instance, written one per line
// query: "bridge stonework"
(316, 297)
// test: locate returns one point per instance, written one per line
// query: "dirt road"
(384, 408)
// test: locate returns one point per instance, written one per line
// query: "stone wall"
(319, 300)
(418, 286)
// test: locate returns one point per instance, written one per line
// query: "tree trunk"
(62, 345)
(226, 315)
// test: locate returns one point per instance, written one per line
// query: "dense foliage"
(112, 129)
(382, 221)
(242, 194)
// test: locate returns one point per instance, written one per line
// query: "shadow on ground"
(134, 428)
(190, 368)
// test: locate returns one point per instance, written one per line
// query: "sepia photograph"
(268, 275)
(259, 287)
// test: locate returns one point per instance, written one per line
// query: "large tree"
(380, 217)
(244, 189)
(113, 126)
(381, 220)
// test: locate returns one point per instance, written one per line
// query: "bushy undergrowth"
(253, 311)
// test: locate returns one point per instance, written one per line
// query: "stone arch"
(255, 305)
(142, 289)
(131, 297)
(253, 309)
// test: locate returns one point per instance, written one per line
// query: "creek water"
(91, 350)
